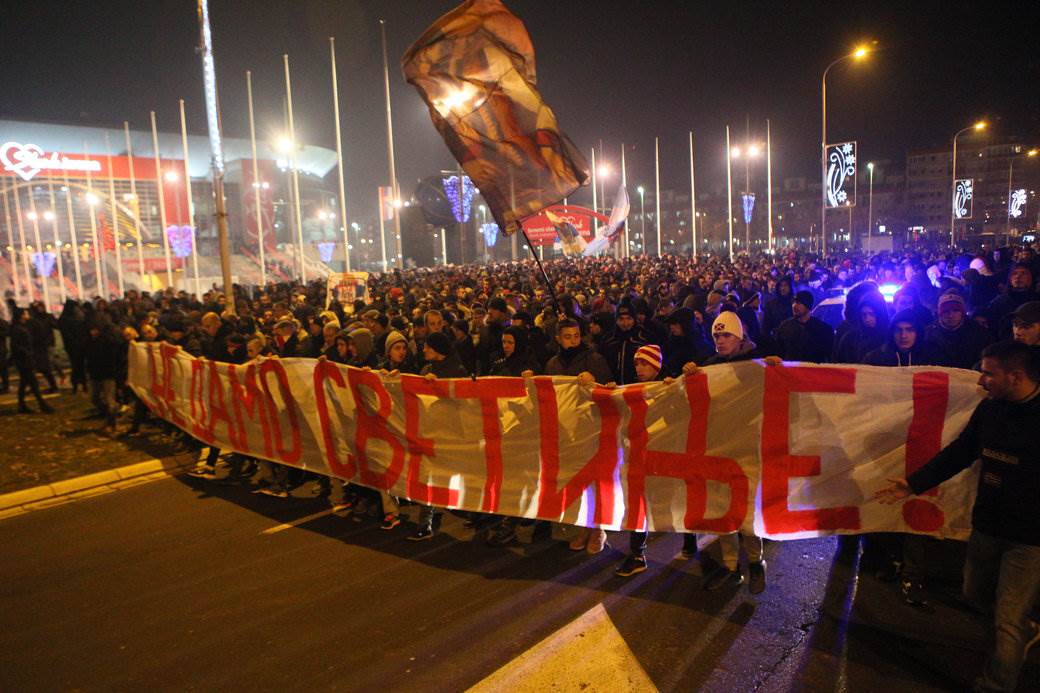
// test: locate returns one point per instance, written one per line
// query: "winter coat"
(963, 346)
(578, 360)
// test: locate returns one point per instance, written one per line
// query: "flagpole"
(209, 78)
(115, 219)
(693, 201)
(382, 224)
(191, 206)
(390, 151)
(13, 248)
(769, 184)
(31, 290)
(72, 234)
(729, 193)
(595, 177)
(339, 156)
(256, 180)
(293, 173)
(162, 203)
(624, 184)
(35, 219)
(657, 183)
(57, 240)
(92, 199)
(135, 206)
(602, 179)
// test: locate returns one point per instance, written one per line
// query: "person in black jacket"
(42, 326)
(804, 337)
(1002, 569)
(685, 343)
(732, 345)
(906, 345)
(5, 362)
(103, 352)
(620, 348)
(73, 328)
(959, 337)
(517, 357)
(441, 362)
(24, 356)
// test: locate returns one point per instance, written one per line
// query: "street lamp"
(858, 54)
(870, 205)
(979, 126)
(1011, 167)
(642, 213)
(748, 152)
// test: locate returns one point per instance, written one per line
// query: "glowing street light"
(285, 145)
(978, 126)
(171, 177)
(32, 216)
(858, 55)
(48, 215)
(92, 199)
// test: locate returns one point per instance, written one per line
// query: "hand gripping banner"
(786, 452)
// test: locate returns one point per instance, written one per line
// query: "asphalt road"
(180, 585)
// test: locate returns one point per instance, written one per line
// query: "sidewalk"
(41, 449)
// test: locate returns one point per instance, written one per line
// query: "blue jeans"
(1003, 576)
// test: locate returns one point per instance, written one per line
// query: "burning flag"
(475, 69)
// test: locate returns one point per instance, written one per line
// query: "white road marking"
(588, 654)
(303, 520)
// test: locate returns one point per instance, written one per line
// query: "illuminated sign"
(1016, 202)
(841, 175)
(26, 160)
(963, 198)
(490, 232)
(748, 200)
(460, 195)
(325, 250)
(181, 239)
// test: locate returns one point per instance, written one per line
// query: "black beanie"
(439, 342)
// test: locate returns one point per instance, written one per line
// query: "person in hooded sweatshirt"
(362, 351)
(685, 343)
(1019, 291)
(906, 344)
(778, 307)
(441, 362)
(850, 313)
(517, 358)
(73, 327)
(869, 329)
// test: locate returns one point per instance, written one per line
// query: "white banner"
(787, 451)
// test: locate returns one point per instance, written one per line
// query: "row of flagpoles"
(92, 199)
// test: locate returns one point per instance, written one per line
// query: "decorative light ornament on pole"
(859, 53)
(209, 76)
(954, 207)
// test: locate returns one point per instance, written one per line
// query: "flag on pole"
(108, 239)
(386, 202)
(607, 235)
(570, 239)
(475, 69)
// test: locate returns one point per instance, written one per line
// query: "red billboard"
(541, 232)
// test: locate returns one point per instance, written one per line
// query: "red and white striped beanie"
(651, 353)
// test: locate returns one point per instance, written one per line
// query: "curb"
(60, 492)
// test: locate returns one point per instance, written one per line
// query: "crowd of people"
(607, 321)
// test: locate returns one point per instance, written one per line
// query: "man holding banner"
(1002, 570)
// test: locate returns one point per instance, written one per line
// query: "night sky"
(612, 71)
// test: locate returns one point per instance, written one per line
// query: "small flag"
(570, 239)
(475, 69)
(108, 239)
(608, 235)
(386, 202)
